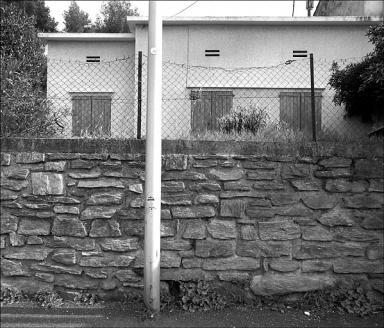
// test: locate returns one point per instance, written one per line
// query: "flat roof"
(87, 36)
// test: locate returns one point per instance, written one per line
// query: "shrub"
(199, 296)
(47, 299)
(244, 119)
(24, 108)
(360, 86)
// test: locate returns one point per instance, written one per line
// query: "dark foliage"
(360, 86)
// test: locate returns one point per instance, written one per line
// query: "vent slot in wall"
(300, 53)
(212, 53)
(93, 59)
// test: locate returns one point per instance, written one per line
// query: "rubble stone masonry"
(279, 218)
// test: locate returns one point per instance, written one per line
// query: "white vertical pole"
(153, 162)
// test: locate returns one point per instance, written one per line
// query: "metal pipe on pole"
(153, 161)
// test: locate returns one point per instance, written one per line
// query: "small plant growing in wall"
(244, 119)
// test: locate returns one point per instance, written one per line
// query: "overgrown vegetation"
(360, 86)
(47, 299)
(198, 296)
(24, 108)
(244, 120)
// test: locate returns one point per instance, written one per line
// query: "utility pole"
(153, 161)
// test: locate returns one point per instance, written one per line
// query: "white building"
(201, 79)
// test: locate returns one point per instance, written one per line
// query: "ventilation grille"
(212, 53)
(93, 59)
(300, 53)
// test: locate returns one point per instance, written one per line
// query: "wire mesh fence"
(270, 103)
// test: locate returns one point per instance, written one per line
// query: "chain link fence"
(271, 103)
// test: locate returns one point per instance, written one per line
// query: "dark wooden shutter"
(208, 108)
(296, 110)
(81, 115)
(91, 115)
(101, 115)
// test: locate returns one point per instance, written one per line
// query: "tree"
(75, 19)
(114, 17)
(43, 20)
(360, 86)
(24, 108)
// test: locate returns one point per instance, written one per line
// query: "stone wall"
(279, 218)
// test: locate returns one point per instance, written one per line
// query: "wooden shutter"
(208, 108)
(81, 115)
(296, 110)
(101, 115)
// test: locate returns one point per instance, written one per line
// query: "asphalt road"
(17, 317)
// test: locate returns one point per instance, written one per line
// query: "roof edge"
(87, 36)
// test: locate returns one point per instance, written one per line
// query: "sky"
(200, 8)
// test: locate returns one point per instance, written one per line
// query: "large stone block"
(66, 209)
(37, 253)
(5, 159)
(81, 164)
(234, 276)
(209, 186)
(269, 185)
(293, 210)
(293, 171)
(214, 248)
(65, 256)
(16, 240)
(80, 244)
(8, 222)
(319, 201)
(127, 275)
(262, 175)
(57, 268)
(101, 183)
(259, 165)
(105, 228)
(175, 244)
(316, 265)
(283, 264)
(355, 234)
(194, 212)
(258, 248)
(12, 269)
(279, 199)
(172, 186)
(233, 263)
(376, 185)
(18, 174)
(7, 195)
(30, 158)
(206, 199)
(277, 284)
(316, 233)
(15, 185)
(221, 229)
(68, 226)
(238, 185)
(306, 185)
(47, 183)
(320, 250)
(227, 175)
(170, 259)
(84, 175)
(375, 252)
(234, 208)
(371, 220)
(343, 185)
(55, 166)
(195, 229)
(363, 201)
(97, 212)
(279, 230)
(67, 281)
(248, 232)
(176, 162)
(119, 245)
(357, 265)
(190, 263)
(34, 227)
(185, 275)
(333, 173)
(183, 175)
(335, 162)
(205, 163)
(107, 260)
(176, 199)
(369, 168)
(337, 217)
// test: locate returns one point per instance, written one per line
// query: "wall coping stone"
(191, 147)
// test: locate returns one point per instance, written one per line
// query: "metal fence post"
(139, 90)
(313, 99)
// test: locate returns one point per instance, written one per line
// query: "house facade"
(350, 8)
(211, 67)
